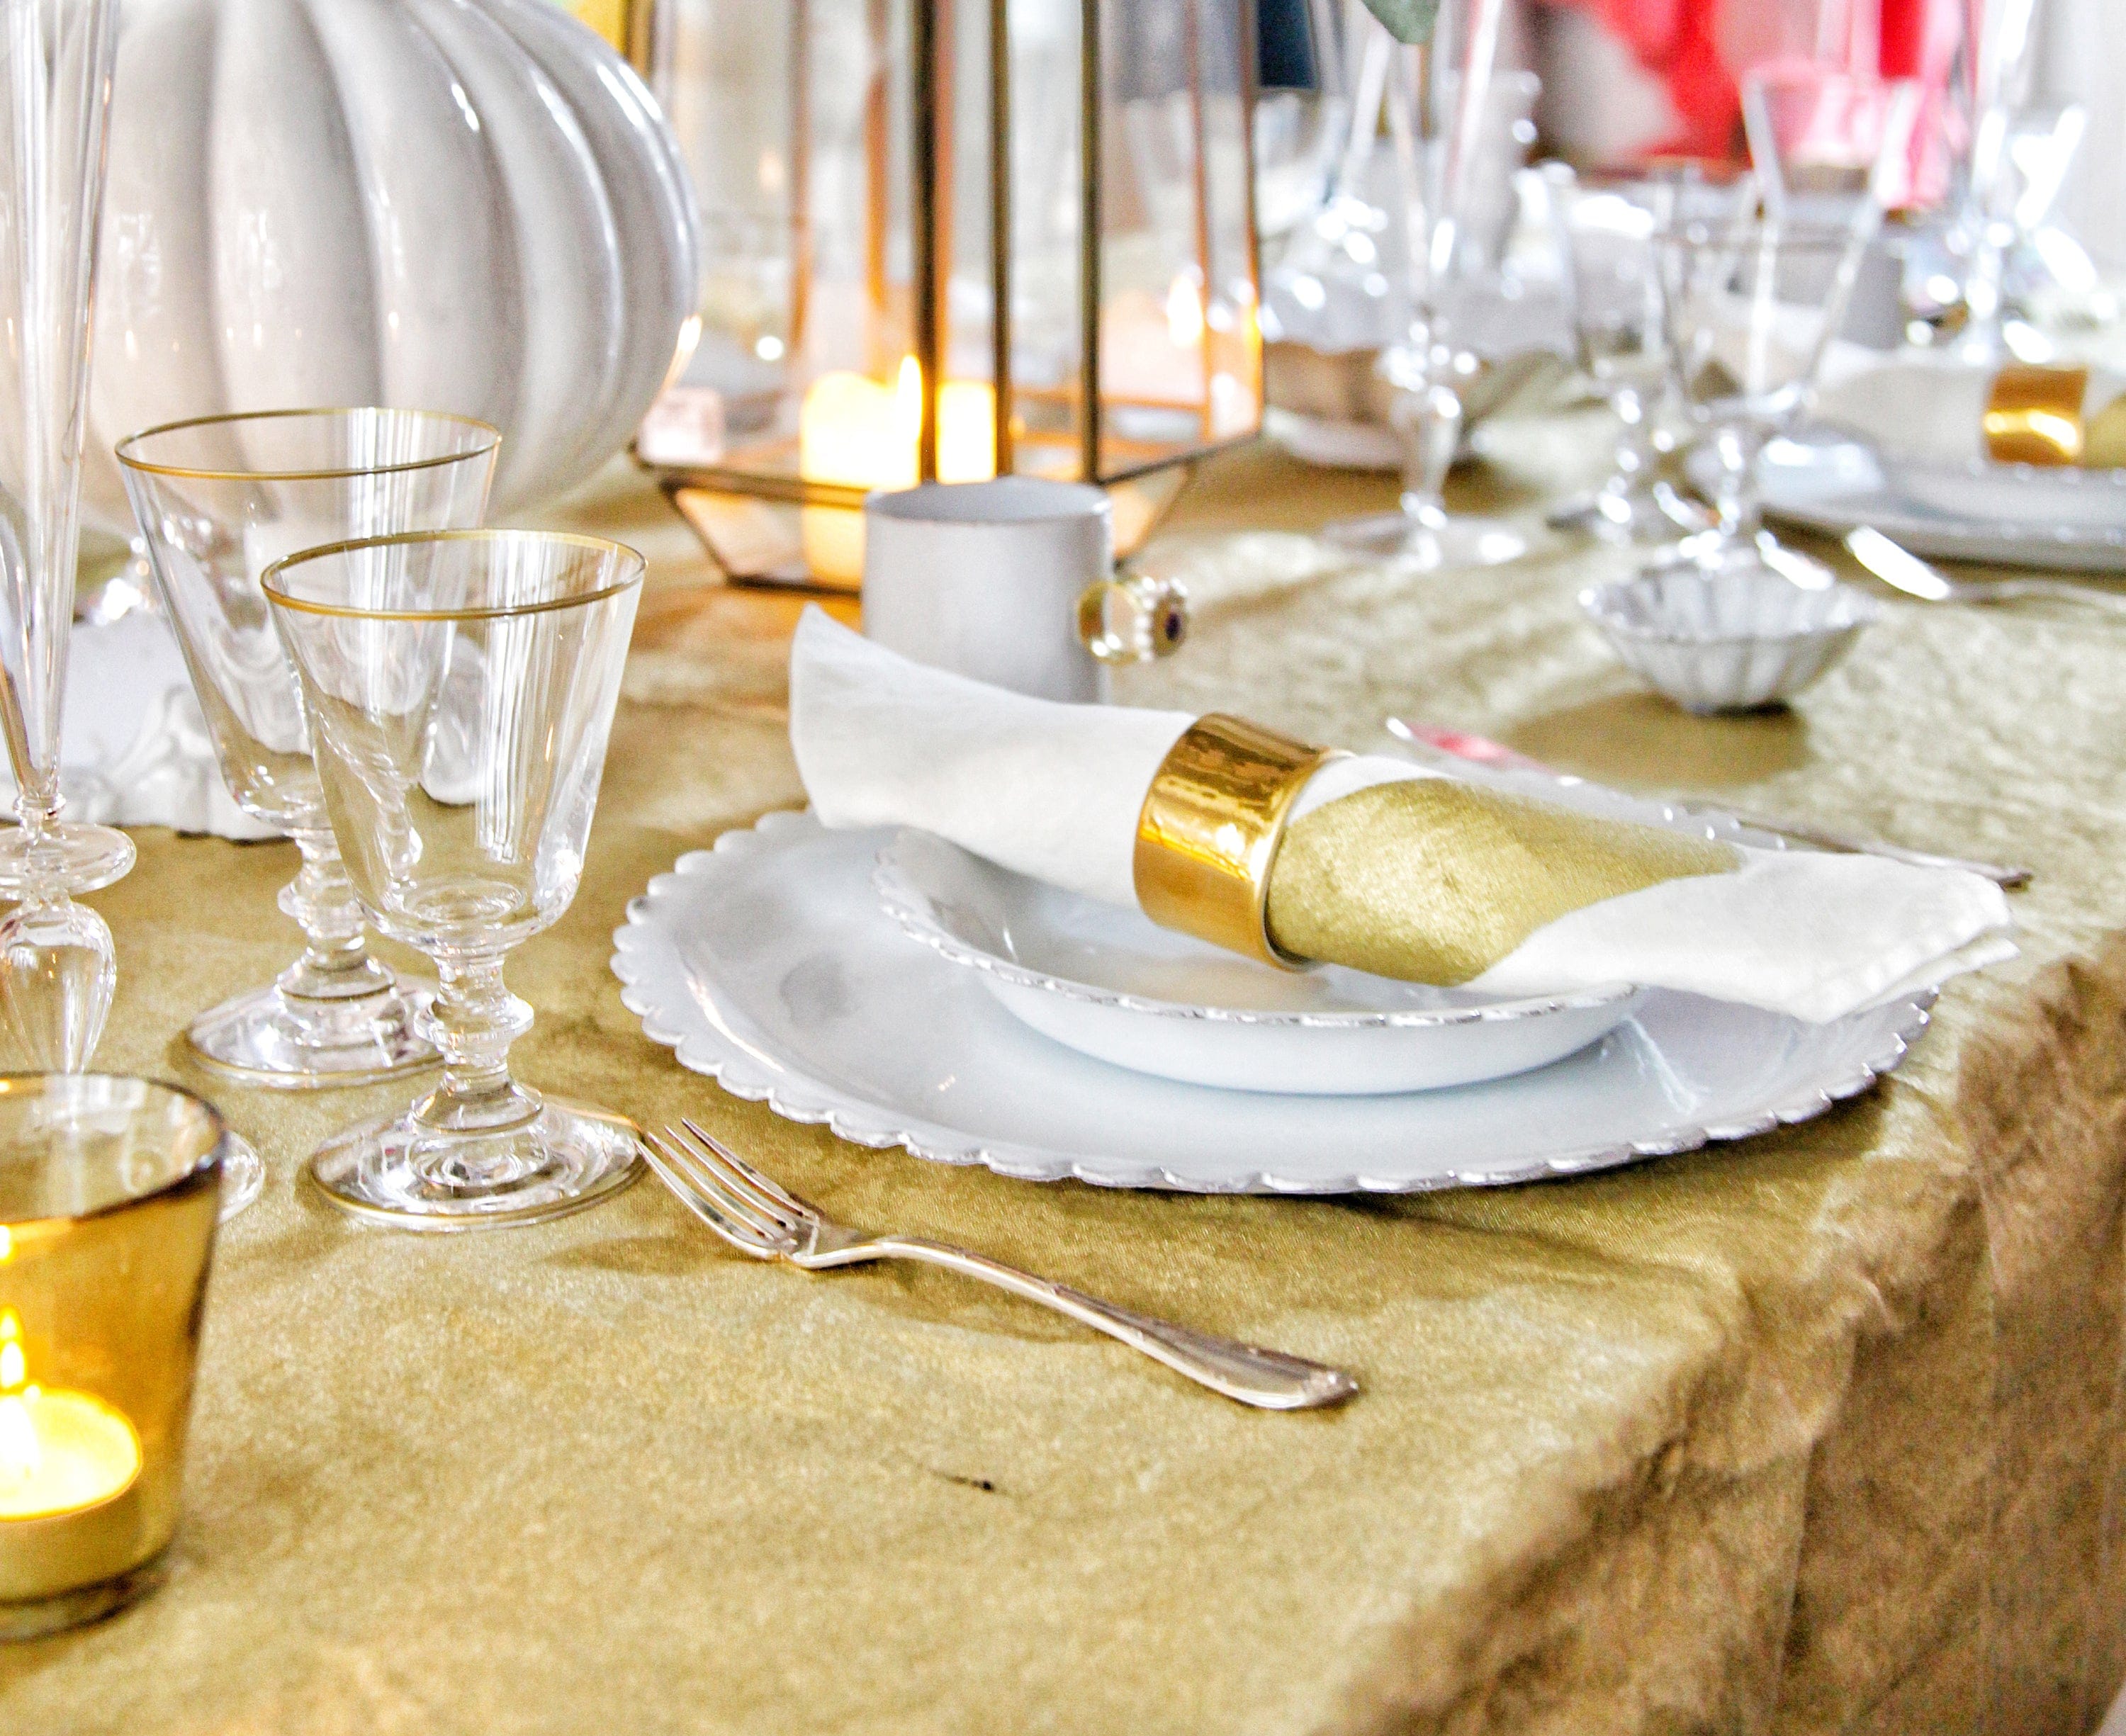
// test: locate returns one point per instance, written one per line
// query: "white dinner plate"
(767, 964)
(2065, 518)
(1112, 983)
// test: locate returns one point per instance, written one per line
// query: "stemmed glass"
(58, 965)
(1754, 302)
(1605, 229)
(218, 499)
(460, 688)
(1439, 101)
(1756, 296)
(1999, 50)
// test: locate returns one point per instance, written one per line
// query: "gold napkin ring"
(1210, 827)
(2033, 415)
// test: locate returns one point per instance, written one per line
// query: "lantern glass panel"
(846, 155)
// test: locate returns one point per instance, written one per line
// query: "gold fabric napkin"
(1435, 881)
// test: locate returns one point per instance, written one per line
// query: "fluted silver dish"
(1727, 640)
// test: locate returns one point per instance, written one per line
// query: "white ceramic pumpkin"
(471, 205)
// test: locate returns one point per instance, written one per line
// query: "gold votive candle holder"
(109, 1190)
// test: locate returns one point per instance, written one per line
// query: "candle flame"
(1185, 312)
(19, 1454)
(908, 396)
(21, 1457)
(60, 1451)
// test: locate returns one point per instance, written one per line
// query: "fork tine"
(776, 1201)
(711, 1200)
(761, 1183)
(732, 1201)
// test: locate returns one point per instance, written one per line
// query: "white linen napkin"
(1053, 791)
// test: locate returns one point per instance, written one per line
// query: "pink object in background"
(1700, 48)
(1677, 41)
(1818, 117)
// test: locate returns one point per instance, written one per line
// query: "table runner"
(1817, 1432)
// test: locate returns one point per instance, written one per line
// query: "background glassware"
(107, 1209)
(219, 500)
(1754, 303)
(461, 688)
(58, 965)
(1756, 297)
(1439, 103)
(1337, 286)
(1605, 230)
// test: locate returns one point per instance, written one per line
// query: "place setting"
(1345, 1202)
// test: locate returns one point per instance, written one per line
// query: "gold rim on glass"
(191, 474)
(270, 583)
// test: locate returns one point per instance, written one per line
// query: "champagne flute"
(58, 963)
(1438, 104)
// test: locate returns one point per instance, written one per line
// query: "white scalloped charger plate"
(1111, 984)
(768, 964)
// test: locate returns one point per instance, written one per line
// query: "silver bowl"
(1728, 641)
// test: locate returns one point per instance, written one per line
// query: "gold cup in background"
(109, 1188)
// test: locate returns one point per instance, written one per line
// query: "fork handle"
(1267, 1378)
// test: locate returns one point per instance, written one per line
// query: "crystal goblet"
(219, 500)
(1605, 228)
(57, 965)
(1754, 301)
(460, 688)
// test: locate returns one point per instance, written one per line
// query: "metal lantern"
(949, 239)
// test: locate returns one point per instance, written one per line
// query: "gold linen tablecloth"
(1817, 1432)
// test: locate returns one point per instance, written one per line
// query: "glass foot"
(72, 858)
(1452, 541)
(243, 1175)
(1715, 551)
(296, 1043)
(401, 1170)
(1630, 514)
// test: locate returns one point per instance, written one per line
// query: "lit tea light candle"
(60, 1451)
(862, 434)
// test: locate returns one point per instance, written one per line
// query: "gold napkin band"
(1210, 827)
(2034, 416)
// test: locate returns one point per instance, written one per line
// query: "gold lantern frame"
(1144, 477)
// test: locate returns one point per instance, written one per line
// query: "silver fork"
(762, 1218)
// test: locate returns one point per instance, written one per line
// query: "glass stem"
(1634, 452)
(1982, 293)
(38, 813)
(476, 1018)
(336, 964)
(58, 972)
(1429, 417)
(1735, 497)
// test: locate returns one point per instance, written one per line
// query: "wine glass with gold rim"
(460, 688)
(218, 499)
